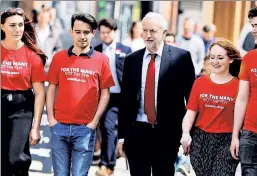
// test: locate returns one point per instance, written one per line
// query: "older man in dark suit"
(156, 82)
(116, 53)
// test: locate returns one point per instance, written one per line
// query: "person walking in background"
(151, 105)
(22, 69)
(244, 145)
(83, 77)
(193, 44)
(246, 39)
(170, 39)
(208, 36)
(135, 40)
(54, 21)
(198, 29)
(116, 52)
(215, 101)
(206, 70)
(49, 36)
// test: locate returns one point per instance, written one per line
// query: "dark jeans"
(16, 120)
(248, 153)
(72, 144)
(148, 151)
(108, 128)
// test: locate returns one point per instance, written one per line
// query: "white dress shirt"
(109, 51)
(141, 116)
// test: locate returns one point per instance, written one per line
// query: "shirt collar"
(158, 52)
(112, 45)
(88, 54)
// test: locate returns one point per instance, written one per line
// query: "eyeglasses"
(17, 10)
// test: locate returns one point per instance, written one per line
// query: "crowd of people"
(152, 92)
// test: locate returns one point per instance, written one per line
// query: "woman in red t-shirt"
(22, 69)
(213, 98)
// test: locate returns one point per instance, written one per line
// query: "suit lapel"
(138, 72)
(164, 67)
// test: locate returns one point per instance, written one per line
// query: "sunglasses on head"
(17, 10)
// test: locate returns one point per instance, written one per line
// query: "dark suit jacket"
(120, 58)
(176, 78)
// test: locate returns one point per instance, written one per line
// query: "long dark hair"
(29, 36)
(233, 53)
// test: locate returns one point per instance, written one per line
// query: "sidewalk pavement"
(120, 170)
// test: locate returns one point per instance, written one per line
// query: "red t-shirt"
(215, 104)
(20, 68)
(248, 72)
(79, 80)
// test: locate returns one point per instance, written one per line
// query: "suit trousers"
(108, 128)
(147, 151)
(16, 119)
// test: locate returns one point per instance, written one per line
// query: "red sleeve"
(243, 74)
(37, 69)
(193, 99)
(106, 79)
(53, 72)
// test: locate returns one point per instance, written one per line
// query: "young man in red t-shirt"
(246, 109)
(83, 78)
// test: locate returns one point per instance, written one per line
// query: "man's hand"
(234, 148)
(34, 136)
(186, 141)
(52, 121)
(92, 125)
(120, 149)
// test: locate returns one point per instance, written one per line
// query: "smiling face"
(219, 60)
(13, 27)
(82, 34)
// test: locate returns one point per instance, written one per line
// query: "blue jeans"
(72, 143)
(248, 153)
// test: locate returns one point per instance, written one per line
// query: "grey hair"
(159, 19)
(190, 20)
